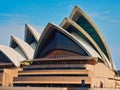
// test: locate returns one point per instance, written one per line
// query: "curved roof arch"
(31, 36)
(87, 24)
(29, 32)
(70, 24)
(24, 48)
(11, 55)
(50, 28)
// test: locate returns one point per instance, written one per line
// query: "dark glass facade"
(4, 58)
(71, 29)
(58, 41)
(90, 30)
(29, 38)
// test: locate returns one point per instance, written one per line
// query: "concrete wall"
(101, 73)
(98, 73)
(8, 76)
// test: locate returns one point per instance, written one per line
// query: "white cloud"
(107, 12)
(104, 15)
(13, 15)
(115, 21)
(98, 15)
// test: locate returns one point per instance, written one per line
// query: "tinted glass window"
(90, 30)
(4, 58)
(59, 41)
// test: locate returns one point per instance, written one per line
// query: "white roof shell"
(80, 12)
(80, 42)
(14, 56)
(34, 32)
(26, 48)
(66, 22)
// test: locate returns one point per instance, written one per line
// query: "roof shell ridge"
(33, 31)
(26, 48)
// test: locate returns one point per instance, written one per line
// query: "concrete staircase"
(64, 75)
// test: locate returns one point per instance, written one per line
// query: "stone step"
(51, 80)
(54, 66)
(56, 72)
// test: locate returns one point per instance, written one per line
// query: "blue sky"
(105, 13)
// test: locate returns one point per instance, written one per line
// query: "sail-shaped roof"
(9, 55)
(89, 26)
(79, 32)
(61, 35)
(22, 47)
(31, 36)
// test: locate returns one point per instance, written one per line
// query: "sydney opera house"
(67, 55)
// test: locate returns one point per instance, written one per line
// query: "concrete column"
(8, 75)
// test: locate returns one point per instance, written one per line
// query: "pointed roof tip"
(28, 26)
(76, 6)
(47, 26)
(77, 9)
(25, 24)
(32, 30)
(11, 36)
(14, 37)
(63, 21)
(66, 19)
(50, 24)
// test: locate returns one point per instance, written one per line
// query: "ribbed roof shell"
(80, 43)
(12, 55)
(74, 16)
(26, 48)
(32, 32)
(68, 22)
